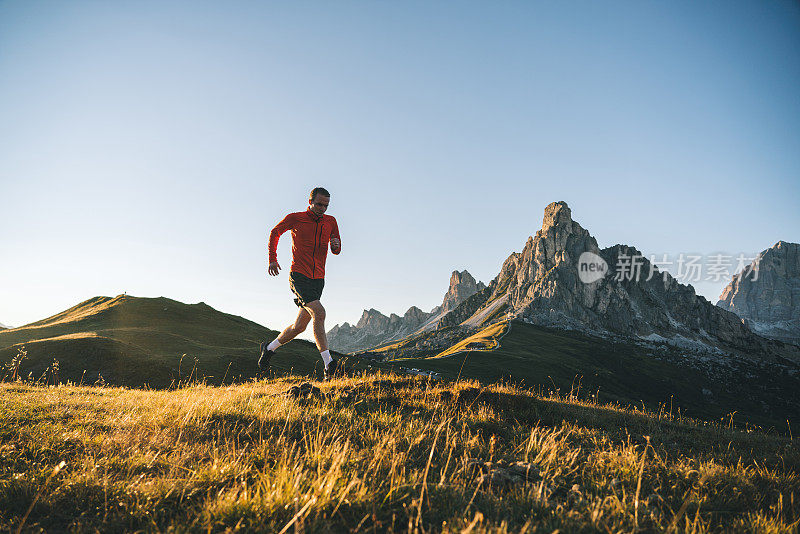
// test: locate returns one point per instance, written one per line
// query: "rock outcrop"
(374, 328)
(462, 286)
(766, 294)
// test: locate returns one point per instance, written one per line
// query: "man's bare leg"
(293, 330)
(318, 314)
(289, 333)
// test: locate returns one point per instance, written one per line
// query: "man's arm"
(286, 224)
(336, 241)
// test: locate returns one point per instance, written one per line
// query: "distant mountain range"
(2, 326)
(375, 329)
(136, 341)
(543, 285)
(549, 318)
(767, 294)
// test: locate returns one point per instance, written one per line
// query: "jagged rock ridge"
(766, 294)
(543, 285)
(374, 328)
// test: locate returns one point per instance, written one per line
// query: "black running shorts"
(307, 289)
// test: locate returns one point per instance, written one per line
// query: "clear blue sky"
(149, 147)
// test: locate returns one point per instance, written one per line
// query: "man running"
(312, 230)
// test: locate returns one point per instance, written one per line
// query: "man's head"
(318, 200)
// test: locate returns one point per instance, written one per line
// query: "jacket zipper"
(314, 253)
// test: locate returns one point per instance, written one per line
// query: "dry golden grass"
(486, 339)
(380, 453)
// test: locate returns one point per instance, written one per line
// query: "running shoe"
(331, 369)
(266, 356)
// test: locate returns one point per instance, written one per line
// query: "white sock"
(326, 357)
(274, 345)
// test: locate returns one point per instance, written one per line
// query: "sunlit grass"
(379, 453)
(485, 339)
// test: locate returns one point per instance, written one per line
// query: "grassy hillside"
(548, 359)
(378, 454)
(442, 342)
(136, 341)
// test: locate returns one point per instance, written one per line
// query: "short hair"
(318, 190)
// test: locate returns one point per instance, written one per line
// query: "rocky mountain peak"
(561, 239)
(557, 215)
(372, 318)
(462, 286)
(413, 311)
(767, 293)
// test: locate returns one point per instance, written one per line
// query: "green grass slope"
(548, 359)
(135, 341)
(378, 453)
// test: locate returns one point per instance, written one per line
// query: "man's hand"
(336, 245)
(274, 268)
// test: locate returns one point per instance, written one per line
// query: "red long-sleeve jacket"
(311, 235)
